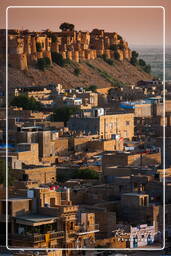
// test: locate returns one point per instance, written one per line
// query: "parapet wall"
(25, 48)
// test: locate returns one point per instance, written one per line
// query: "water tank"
(98, 112)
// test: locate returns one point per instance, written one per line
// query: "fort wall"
(25, 48)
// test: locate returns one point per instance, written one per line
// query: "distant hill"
(92, 72)
(154, 57)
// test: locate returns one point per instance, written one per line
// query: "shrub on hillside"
(147, 69)
(142, 62)
(43, 63)
(109, 61)
(114, 47)
(77, 71)
(92, 88)
(134, 58)
(58, 59)
(116, 56)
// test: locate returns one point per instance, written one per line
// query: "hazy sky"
(139, 26)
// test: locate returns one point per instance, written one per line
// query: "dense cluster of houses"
(94, 181)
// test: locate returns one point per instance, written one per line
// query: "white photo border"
(163, 50)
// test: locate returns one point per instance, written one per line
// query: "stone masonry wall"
(25, 48)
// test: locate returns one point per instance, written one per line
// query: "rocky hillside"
(93, 72)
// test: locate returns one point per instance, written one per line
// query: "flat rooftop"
(134, 194)
(36, 166)
(15, 199)
(35, 220)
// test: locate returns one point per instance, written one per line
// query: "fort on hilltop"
(25, 47)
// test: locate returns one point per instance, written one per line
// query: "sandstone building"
(26, 47)
(116, 126)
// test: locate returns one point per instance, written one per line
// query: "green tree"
(135, 54)
(114, 47)
(66, 26)
(11, 178)
(77, 71)
(121, 46)
(134, 57)
(104, 57)
(120, 37)
(58, 59)
(92, 88)
(142, 62)
(109, 61)
(54, 38)
(63, 114)
(116, 56)
(67, 61)
(23, 101)
(133, 61)
(47, 61)
(43, 63)
(38, 47)
(147, 69)
(85, 174)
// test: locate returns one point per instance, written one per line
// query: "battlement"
(26, 47)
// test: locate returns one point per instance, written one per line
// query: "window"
(127, 122)
(52, 202)
(142, 201)
(135, 186)
(25, 177)
(30, 205)
(10, 208)
(3, 207)
(126, 133)
(121, 188)
(71, 225)
(145, 201)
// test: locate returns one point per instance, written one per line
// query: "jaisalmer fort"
(85, 164)
(26, 47)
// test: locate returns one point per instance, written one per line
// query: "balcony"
(57, 235)
(69, 209)
(81, 230)
(27, 237)
(36, 238)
